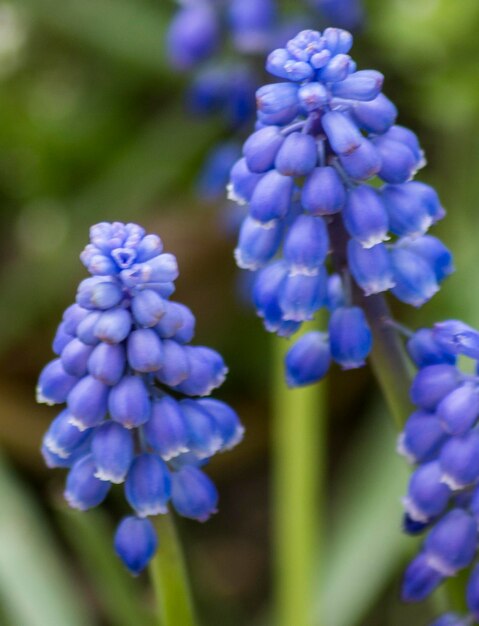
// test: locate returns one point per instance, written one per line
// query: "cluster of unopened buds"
(134, 391)
(442, 439)
(327, 181)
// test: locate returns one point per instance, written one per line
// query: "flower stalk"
(170, 579)
(390, 363)
(299, 444)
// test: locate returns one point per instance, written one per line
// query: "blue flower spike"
(442, 439)
(135, 392)
(323, 133)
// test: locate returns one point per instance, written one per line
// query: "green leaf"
(91, 536)
(36, 587)
(366, 547)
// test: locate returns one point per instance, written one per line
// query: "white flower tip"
(74, 421)
(233, 196)
(374, 240)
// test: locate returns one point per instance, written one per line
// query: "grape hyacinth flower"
(203, 33)
(137, 411)
(317, 233)
(441, 439)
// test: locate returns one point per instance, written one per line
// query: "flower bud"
(342, 133)
(363, 163)
(308, 360)
(54, 384)
(420, 580)
(415, 279)
(365, 217)
(375, 116)
(459, 410)
(135, 543)
(258, 243)
(166, 430)
(302, 295)
(323, 192)
(204, 437)
(129, 402)
(86, 328)
(193, 494)
(62, 437)
(404, 135)
(297, 155)
(350, 337)
(336, 69)
(266, 290)
(422, 437)
(88, 403)
(451, 544)
(364, 85)
(176, 366)
(73, 315)
(408, 215)
(98, 293)
(427, 496)
(148, 485)
(242, 182)
(207, 371)
(83, 490)
(149, 247)
(371, 267)
(113, 326)
(112, 450)
(306, 244)
(435, 253)
(271, 197)
(425, 350)
(432, 384)
(148, 308)
(227, 421)
(107, 363)
(144, 350)
(261, 148)
(277, 103)
(398, 162)
(459, 460)
(75, 356)
(281, 64)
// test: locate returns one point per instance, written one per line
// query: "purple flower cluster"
(134, 391)
(442, 439)
(322, 134)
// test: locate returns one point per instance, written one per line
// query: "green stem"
(390, 363)
(298, 449)
(170, 579)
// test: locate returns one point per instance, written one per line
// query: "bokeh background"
(93, 127)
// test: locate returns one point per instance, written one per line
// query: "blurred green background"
(93, 127)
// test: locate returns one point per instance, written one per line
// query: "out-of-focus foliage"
(36, 585)
(92, 127)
